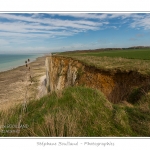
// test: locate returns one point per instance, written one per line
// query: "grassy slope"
(80, 111)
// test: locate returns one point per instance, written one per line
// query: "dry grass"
(114, 64)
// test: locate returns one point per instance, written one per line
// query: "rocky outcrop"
(61, 73)
(116, 85)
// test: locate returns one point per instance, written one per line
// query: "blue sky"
(49, 32)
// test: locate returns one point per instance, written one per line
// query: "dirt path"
(13, 84)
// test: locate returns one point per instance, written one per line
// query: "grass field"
(123, 60)
(130, 54)
(78, 111)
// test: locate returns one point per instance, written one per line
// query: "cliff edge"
(117, 86)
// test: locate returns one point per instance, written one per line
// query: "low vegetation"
(78, 111)
(123, 60)
(143, 54)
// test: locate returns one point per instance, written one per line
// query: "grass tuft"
(79, 111)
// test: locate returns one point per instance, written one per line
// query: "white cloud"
(143, 22)
(34, 26)
(21, 28)
(121, 15)
(52, 22)
(84, 15)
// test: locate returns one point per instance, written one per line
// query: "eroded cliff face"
(116, 85)
(61, 72)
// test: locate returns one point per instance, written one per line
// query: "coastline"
(13, 83)
(20, 62)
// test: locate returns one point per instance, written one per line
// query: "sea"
(10, 61)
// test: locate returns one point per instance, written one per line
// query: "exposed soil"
(116, 84)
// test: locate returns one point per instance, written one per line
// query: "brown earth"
(117, 85)
(13, 83)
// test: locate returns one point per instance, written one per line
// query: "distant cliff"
(62, 72)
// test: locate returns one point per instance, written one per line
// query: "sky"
(55, 32)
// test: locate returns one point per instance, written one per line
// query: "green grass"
(123, 60)
(143, 54)
(79, 111)
(129, 54)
